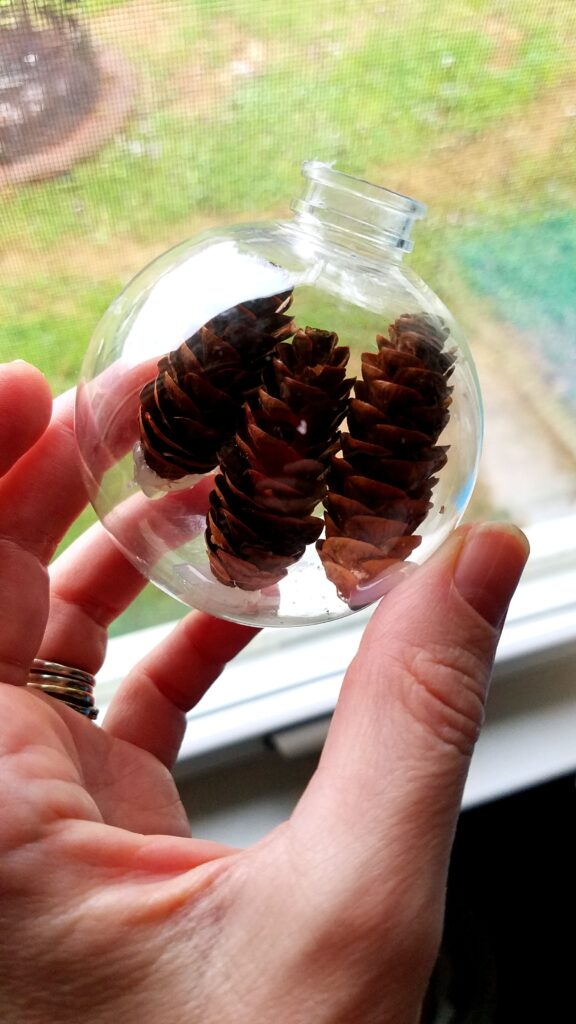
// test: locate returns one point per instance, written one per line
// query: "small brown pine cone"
(194, 404)
(380, 489)
(273, 474)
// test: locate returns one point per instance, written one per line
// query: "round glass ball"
(278, 421)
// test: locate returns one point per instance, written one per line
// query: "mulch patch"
(60, 100)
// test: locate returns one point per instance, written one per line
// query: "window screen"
(126, 127)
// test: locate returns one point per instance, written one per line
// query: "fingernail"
(489, 567)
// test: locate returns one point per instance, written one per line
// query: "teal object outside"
(529, 273)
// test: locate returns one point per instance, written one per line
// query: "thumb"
(388, 789)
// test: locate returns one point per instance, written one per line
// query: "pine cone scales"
(380, 489)
(193, 405)
(274, 472)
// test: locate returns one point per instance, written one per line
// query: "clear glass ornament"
(224, 446)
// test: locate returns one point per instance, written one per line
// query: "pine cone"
(380, 490)
(274, 472)
(194, 404)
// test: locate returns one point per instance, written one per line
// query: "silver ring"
(71, 685)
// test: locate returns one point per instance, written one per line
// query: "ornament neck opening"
(355, 213)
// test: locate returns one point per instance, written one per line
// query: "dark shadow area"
(509, 933)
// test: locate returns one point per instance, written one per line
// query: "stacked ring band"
(70, 685)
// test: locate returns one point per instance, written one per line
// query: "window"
(128, 125)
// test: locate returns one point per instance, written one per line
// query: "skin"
(110, 911)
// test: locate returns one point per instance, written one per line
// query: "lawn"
(232, 96)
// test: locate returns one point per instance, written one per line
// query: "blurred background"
(129, 125)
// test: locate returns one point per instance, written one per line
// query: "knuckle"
(444, 688)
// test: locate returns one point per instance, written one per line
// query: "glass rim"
(326, 174)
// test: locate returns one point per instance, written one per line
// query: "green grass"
(390, 96)
(54, 320)
(393, 96)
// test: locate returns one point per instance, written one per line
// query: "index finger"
(25, 404)
(25, 409)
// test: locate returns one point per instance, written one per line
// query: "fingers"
(388, 790)
(150, 707)
(93, 582)
(40, 497)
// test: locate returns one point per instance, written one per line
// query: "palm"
(102, 778)
(89, 821)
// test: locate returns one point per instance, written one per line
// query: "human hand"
(110, 911)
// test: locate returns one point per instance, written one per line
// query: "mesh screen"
(128, 126)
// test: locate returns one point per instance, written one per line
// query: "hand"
(110, 912)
